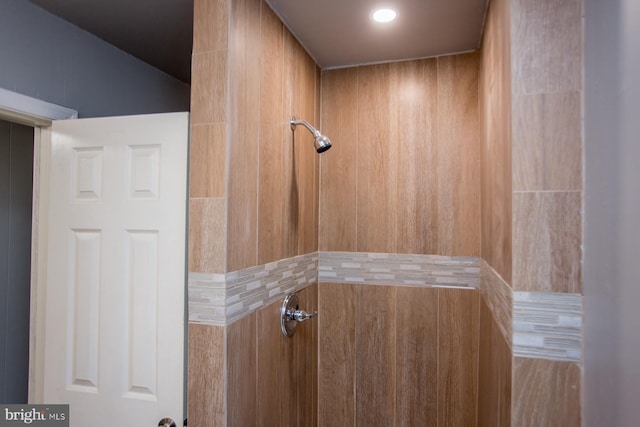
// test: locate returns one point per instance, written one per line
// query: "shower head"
(322, 142)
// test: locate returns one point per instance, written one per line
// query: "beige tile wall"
(495, 107)
(273, 176)
(495, 355)
(530, 102)
(407, 174)
(494, 365)
(272, 379)
(547, 145)
(403, 176)
(206, 365)
(547, 61)
(208, 139)
(253, 200)
(249, 77)
(545, 393)
(404, 173)
(393, 355)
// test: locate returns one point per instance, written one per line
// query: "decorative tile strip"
(219, 299)
(536, 324)
(399, 269)
(498, 296)
(547, 325)
(256, 287)
(207, 298)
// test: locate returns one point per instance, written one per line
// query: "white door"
(116, 269)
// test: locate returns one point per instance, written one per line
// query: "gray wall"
(16, 169)
(612, 213)
(47, 58)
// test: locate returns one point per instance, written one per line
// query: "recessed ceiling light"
(384, 15)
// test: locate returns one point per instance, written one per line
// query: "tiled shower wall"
(253, 187)
(404, 173)
(546, 57)
(253, 201)
(495, 355)
(397, 355)
(530, 91)
(403, 178)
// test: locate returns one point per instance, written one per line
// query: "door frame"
(18, 108)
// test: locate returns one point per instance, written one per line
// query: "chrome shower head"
(322, 142)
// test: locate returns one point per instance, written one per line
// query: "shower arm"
(306, 124)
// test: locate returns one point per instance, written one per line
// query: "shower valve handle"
(301, 315)
(291, 315)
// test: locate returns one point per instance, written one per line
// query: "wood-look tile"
(273, 142)
(207, 151)
(504, 363)
(457, 357)
(244, 133)
(338, 176)
(305, 361)
(494, 380)
(270, 366)
(375, 344)
(242, 372)
(547, 236)
(417, 182)
(458, 156)
(303, 192)
(376, 161)
(414, 83)
(206, 377)
(545, 393)
(285, 391)
(488, 372)
(293, 89)
(499, 298)
(209, 87)
(309, 240)
(495, 104)
(416, 357)
(546, 46)
(206, 236)
(336, 354)
(210, 25)
(289, 386)
(293, 92)
(547, 142)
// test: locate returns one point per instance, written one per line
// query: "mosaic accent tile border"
(547, 325)
(219, 299)
(399, 269)
(207, 303)
(498, 296)
(535, 324)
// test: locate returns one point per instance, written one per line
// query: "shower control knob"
(291, 315)
(301, 315)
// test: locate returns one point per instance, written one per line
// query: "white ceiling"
(337, 33)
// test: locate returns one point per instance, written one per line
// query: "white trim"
(31, 111)
(41, 165)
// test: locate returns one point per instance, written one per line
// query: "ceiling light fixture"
(384, 15)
